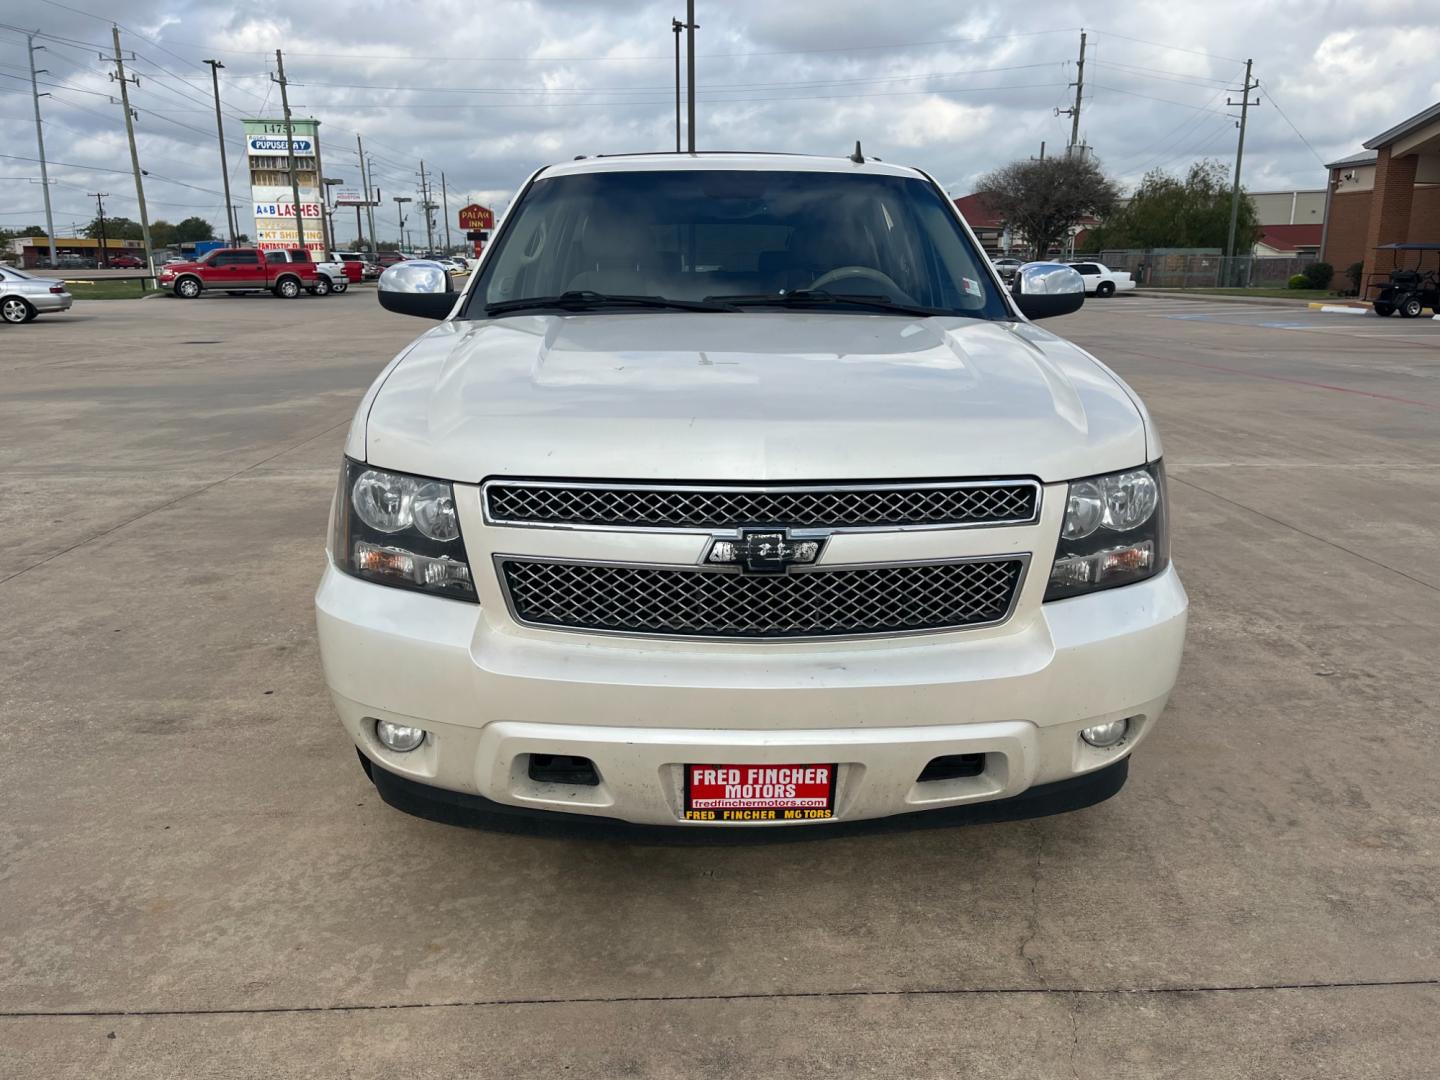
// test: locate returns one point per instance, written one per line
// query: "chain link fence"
(1201, 268)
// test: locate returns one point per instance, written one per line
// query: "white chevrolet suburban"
(737, 490)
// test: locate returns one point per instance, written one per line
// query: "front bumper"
(490, 693)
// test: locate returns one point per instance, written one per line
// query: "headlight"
(400, 530)
(1114, 532)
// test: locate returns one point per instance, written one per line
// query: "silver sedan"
(22, 297)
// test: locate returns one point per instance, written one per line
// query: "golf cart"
(1408, 291)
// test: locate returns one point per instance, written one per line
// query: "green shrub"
(1355, 271)
(1318, 274)
(1299, 281)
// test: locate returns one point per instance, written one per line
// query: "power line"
(1271, 95)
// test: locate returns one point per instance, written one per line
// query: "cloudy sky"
(486, 90)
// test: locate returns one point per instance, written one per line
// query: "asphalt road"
(196, 880)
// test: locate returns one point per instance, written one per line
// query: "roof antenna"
(857, 157)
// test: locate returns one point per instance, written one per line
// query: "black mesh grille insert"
(720, 508)
(814, 603)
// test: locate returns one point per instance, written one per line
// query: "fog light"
(1102, 736)
(398, 737)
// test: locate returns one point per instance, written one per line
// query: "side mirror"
(1043, 290)
(417, 287)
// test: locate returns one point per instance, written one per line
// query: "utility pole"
(290, 150)
(119, 76)
(365, 184)
(445, 209)
(215, 66)
(1244, 104)
(1074, 111)
(675, 27)
(100, 211)
(425, 207)
(400, 200)
(690, 28)
(40, 141)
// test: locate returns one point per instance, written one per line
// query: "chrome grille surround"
(666, 600)
(660, 507)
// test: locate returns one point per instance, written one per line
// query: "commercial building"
(79, 252)
(271, 194)
(1388, 194)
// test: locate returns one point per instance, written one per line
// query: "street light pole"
(215, 66)
(400, 216)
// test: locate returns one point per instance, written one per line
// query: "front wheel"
(1105, 288)
(287, 288)
(187, 288)
(1411, 307)
(15, 310)
(321, 286)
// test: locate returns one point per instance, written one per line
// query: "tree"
(29, 230)
(1044, 199)
(194, 228)
(162, 233)
(116, 228)
(1168, 212)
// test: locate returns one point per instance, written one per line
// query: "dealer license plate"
(728, 794)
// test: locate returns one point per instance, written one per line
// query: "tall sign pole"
(675, 27)
(690, 87)
(40, 142)
(365, 185)
(215, 66)
(119, 75)
(1244, 104)
(290, 152)
(445, 209)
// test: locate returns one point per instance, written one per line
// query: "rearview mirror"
(1043, 290)
(417, 287)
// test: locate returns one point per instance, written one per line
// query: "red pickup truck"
(237, 270)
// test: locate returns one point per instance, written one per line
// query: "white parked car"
(1100, 280)
(736, 490)
(23, 297)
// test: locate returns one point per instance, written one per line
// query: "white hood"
(749, 397)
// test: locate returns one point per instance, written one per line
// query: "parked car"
(356, 263)
(23, 297)
(330, 273)
(1007, 266)
(733, 490)
(126, 262)
(234, 271)
(384, 259)
(1100, 280)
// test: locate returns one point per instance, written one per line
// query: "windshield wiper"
(589, 300)
(823, 297)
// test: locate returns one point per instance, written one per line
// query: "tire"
(1105, 288)
(16, 311)
(339, 287)
(1411, 307)
(1383, 309)
(321, 287)
(287, 288)
(188, 288)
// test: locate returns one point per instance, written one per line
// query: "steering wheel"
(867, 272)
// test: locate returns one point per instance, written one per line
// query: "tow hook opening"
(562, 769)
(952, 767)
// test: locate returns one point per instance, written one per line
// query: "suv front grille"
(697, 602)
(1009, 502)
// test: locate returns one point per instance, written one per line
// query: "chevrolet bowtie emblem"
(763, 551)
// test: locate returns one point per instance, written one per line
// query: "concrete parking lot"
(197, 880)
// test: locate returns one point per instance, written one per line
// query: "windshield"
(741, 241)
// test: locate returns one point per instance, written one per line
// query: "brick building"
(1388, 194)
